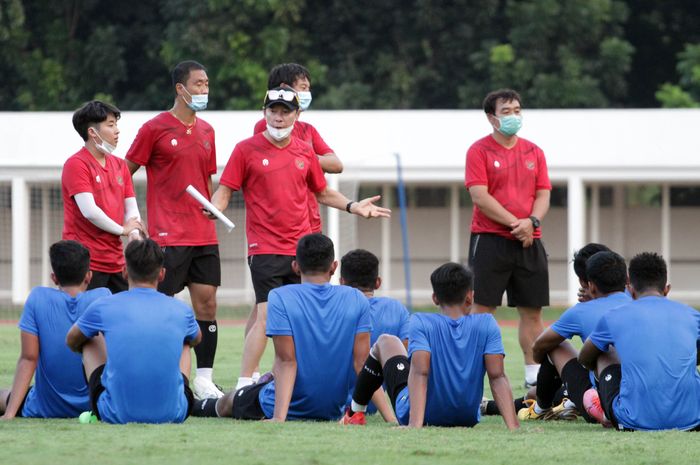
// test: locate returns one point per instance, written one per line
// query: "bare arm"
(500, 388)
(210, 186)
(418, 387)
(330, 163)
(379, 399)
(133, 167)
(26, 366)
(364, 208)
(360, 351)
(75, 339)
(545, 342)
(196, 340)
(589, 355)
(285, 373)
(491, 207)
(220, 199)
(522, 228)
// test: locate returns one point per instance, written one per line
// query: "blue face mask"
(304, 100)
(199, 101)
(510, 125)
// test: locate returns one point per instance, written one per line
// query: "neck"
(99, 155)
(181, 111)
(73, 290)
(599, 295)
(277, 143)
(505, 141)
(143, 284)
(368, 293)
(316, 278)
(454, 311)
(650, 293)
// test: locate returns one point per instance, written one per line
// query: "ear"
(334, 266)
(88, 277)
(125, 274)
(667, 289)
(592, 289)
(435, 300)
(161, 275)
(55, 279)
(377, 283)
(295, 268)
(470, 298)
(493, 120)
(632, 290)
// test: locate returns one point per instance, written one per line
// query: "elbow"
(335, 168)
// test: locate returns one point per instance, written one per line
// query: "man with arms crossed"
(650, 381)
(177, 148)
(320, 333)
(60, 390)
(509, 185)
(99, 203)
(276, 171)
(138, 371)
(440, 381)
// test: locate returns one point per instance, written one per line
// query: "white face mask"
(279, 134)
(304, 100)
(104, 147)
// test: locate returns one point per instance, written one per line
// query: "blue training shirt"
(581, 319)
(59, 389)
(656, 340)
(323, 319)
(144, 332)
(456, 378)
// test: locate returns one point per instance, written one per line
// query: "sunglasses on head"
(286, 95)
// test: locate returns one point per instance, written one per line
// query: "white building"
(626, 178)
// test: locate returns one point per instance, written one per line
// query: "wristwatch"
(535, 222)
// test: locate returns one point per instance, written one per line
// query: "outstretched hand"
(367, 209)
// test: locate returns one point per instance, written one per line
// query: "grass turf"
(30, 441)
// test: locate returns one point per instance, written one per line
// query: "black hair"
(70, 261)
(286, 73)
(607, 270)
(93, 113)
(359, 268)
(315, 253)
(181, 71)
(507, 95)
(144, 260)
(582, 255)
(451, 282)
(648, 272)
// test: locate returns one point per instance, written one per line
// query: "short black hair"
(582, 255)
(70, 261)
(648, 272)
(144, 259)
(93, 113)
(315, 253)
(359, 268)
(608, 271)
(451, 282)
(508, 95)
(286, 73)
(181, 71)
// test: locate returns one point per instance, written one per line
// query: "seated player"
(650, 381)
(319, 332)
(443, 381)
(606, 276)
(60, 390)
(138, 372)
(360, 269)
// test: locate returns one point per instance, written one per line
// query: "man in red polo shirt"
(276, 171)
(99, 205)
(509, 185)
(177, 148)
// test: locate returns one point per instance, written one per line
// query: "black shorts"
(186, 264)
(396, 376)
(270, 272)
(608, 389)
(115, 282)
(501, 264)
(577, 381)
(21, 405)
(96, 389)
(246, 402)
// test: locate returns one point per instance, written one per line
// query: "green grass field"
(209, 441)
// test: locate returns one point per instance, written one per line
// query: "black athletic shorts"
(246, 402)
(501, 264)
(96, 389)
(186, 264)
(115, 282)
(608, 389)
(21, 405)
(577, 381)
(270, 272)
(396, 376)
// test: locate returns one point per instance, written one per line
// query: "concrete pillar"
(20, 243)
(576, 220)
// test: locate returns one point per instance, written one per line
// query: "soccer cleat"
(87, 417)
(562, 412)
(203, 388)
(591, 402)
(357, 418)
(529, 413)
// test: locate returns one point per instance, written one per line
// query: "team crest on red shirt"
(299, 163)
(530, 164)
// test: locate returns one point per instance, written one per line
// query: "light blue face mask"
(304, 99)
(510, 125)
(199, 101)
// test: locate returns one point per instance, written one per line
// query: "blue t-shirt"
(581, 319)
(59, 389)
(323, 320)
(656, 340)
(456, 378)
(144, 332)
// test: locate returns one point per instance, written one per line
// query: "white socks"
(531, 373)
(205, 373)
(355, 407)
(244, 381)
